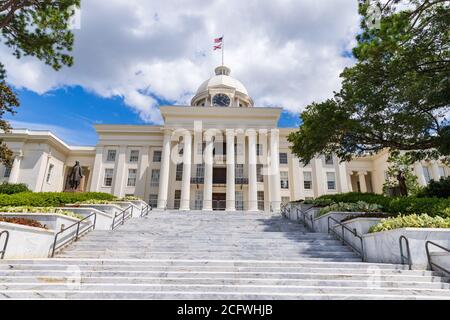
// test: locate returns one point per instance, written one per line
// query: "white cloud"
(288, 53)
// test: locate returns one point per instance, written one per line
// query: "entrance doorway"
(219, 201)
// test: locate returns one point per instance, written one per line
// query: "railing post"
(78, 231)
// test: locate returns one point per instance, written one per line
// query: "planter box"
(360, 225)
(52, 221)
(136, 210)
(27, 242)
(111, 209)
(383, 247)
(321, 223)
(104, 220)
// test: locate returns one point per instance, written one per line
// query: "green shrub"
(129, 198)
(319, 202)
(438, 189)
(359, 206)
(411, 221)
(96, 201)
(49, 199)
(354, 197)
(11, 188)
(26, 209)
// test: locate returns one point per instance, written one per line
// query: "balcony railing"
(199, 180)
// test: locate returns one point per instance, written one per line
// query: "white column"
(209, 161)
(141, 183)
(435, 171)
(349, 179)
(119, 177)
(15, 170)
(362, 181)
(275, 192)
(186, 184)
(252, 181)
(419, 173)
(231, 176)
(97, 170)
(164, 173)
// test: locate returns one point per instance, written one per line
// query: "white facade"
(219, 153)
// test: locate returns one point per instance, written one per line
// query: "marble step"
(169, 295)
(118, 236)
(267, 289)
(334, 282)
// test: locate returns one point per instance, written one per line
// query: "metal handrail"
(76, 235)
(124, 216)
(146, 210)
(431, 264)
(311, 218)
(5, 245)
(331, 229)
(402, 256)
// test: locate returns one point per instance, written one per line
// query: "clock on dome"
(221, 100)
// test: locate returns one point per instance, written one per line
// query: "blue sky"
(138, 55)
(74, 111)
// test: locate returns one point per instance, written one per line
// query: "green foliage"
(411, 221)
(49, 199)
(400, 174)
(96, 201)
(33, 28)
(397, 205)
(129, 198)
(320, 202)
(8, 188)
(28, 209)
(439, 189)
(397, 94)
(359, 206)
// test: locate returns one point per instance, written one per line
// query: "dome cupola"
(222, 90)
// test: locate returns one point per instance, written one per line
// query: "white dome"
(222, 78)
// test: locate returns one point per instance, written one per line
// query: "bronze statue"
(75, 176)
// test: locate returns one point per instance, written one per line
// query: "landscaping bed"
(28, 209)
(23, 221)
(50, 199)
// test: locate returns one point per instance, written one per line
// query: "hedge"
(397, 205)
(438, 189)
(411, 221)
(13, 188)
(50, 199)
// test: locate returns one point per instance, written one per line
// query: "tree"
(400, 175)
(38, 28)
(396, 96)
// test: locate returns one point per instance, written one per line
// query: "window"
(259, 173)
(259, 149)
(107, 182)
(239, 171)
(331, 180)
(49, 173)
(198, 203)
(426, 173)
(134, 156)
(157, 156)
(261, 200)
(7, 172)
(307, 180)
(329, 160)
(200, 171)
(176, 201)
(239, 200)
(284, 177)
(153, 200)
(201, 148)
(283, 158)
(154, 182)
(180, 149)
(132, 175)
(179, 173)
(111, 157)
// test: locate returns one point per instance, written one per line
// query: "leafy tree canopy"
(396, 96)
(38, 28)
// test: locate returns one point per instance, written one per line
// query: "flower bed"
(23, 221)
(411, 221)
(49, 199)
(27, 209)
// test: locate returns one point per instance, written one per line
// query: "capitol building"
(220, 153)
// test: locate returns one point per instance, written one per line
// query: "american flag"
(218, 40)
(217, 47)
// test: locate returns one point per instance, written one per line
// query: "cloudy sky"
(133, 55)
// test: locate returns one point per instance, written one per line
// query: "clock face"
(221, 100)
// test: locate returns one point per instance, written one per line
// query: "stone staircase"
(212, 256)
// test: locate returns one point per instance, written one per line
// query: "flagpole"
(223, 48)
